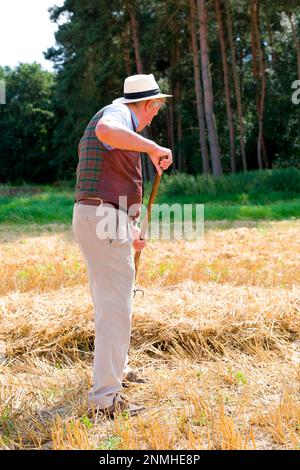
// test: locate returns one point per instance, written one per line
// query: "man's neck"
(136, 113)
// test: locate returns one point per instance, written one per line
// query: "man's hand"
(138, 244)
(162, 158)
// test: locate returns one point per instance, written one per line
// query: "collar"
(135, 119)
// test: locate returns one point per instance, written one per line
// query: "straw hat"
(139, 88)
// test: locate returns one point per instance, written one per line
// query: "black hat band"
(141, 94)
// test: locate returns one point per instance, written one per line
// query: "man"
(109, 177)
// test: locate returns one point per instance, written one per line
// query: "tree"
(26, 124)
(208, 92)
(226, 85)
(95, 51)
(259, 72)
(198, 89)
(236, 83)
(295, 38)
(148, 168)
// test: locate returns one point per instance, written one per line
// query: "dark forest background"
(230, 64)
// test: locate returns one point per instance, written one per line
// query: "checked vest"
(107, 174)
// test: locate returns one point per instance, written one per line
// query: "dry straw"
(216, 335)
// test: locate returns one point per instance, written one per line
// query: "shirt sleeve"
(117, 114)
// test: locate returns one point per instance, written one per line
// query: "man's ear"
(147, 105)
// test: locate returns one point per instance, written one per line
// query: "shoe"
(120, 405)
(131, 378)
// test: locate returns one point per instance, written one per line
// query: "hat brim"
(154, 97)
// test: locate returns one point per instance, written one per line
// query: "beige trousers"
(110, 269)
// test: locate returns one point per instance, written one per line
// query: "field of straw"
(217, 335)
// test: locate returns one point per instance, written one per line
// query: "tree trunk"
(148, 168)
(177, 98)
(226, 85)
(135, 37)
(263, 84)
(260, 142)
(259, 75)
(171, 130)
(236, 84)
(270, 34)
(198, 90)
(296, 41)
(126, 52)
(207, 89)
(254, 47)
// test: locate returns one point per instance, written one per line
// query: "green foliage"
(240, 378)
(90, 71)
(111, 443)
(26, 124)
(274, 211)
(251, 182)
(91, 68)
(45, 207)
(267, 194)
(45, 114)
(86, 421)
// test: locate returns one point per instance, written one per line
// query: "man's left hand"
(138, 244)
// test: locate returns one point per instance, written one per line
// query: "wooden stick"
(147, 219)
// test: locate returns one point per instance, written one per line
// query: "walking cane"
(145, 224)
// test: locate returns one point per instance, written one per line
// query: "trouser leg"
(111, 275)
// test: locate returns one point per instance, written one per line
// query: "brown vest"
(107, 174)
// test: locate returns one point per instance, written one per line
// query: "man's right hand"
(161, 158)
